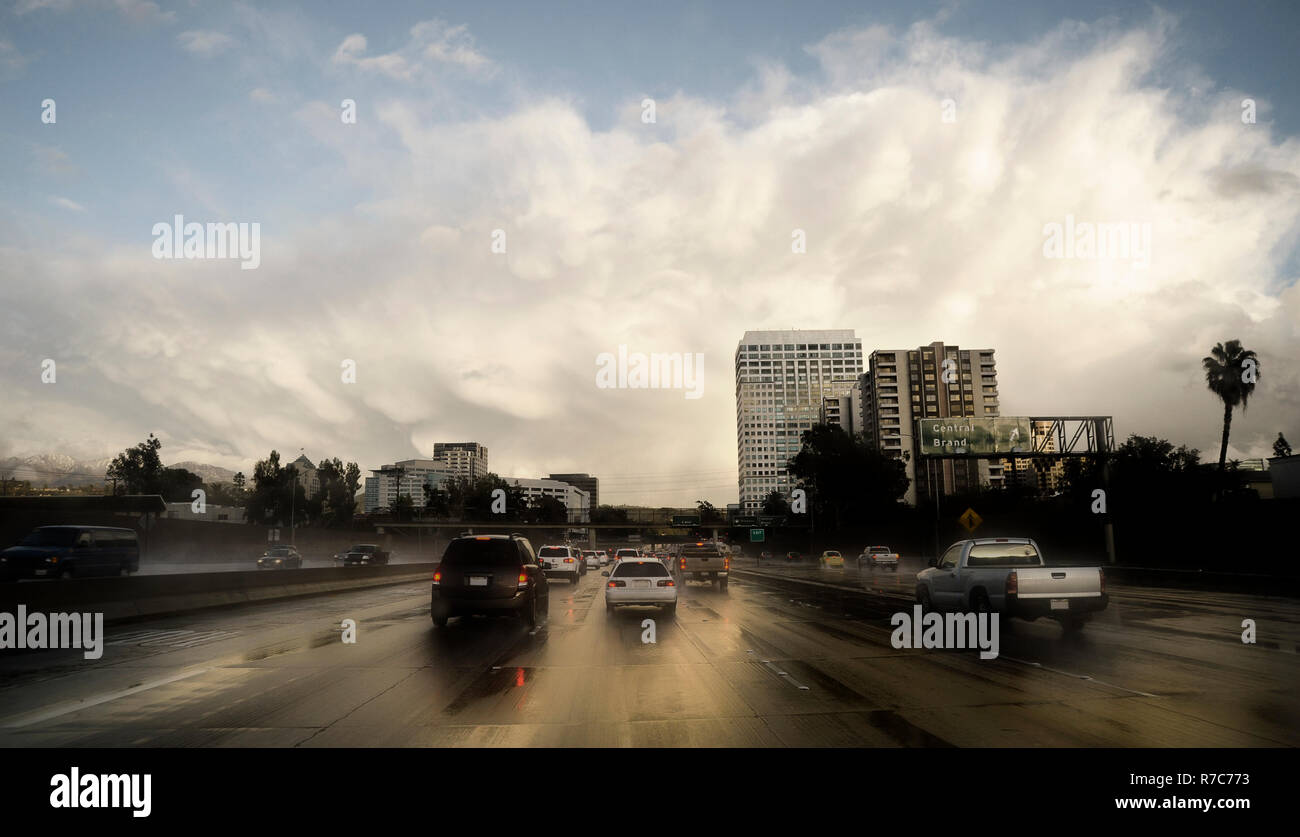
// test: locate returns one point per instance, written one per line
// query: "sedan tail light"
(667, 582)
(1013, 583)
(617, 584)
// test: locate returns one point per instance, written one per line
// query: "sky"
(501, 212)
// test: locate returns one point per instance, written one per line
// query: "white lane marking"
(1087, 677)
(86, 704)
(784, 674)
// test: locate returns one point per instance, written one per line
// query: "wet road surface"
(750, 666)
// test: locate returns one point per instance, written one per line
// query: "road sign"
(971, 436)
(746, 521)
(757, 535)
(970, 520)
(686, 520)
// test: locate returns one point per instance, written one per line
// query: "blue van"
(72, 552)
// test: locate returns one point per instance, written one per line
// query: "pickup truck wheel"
(923, 599)
(979, 602)
(722, 584)
(440, 621)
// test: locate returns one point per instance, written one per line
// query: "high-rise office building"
(462, 459)
(407, 478)
(934, 381)
(782, 381)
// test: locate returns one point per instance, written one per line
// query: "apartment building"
(462, 459)
(584, 482)
(934, 381)
(782, 380)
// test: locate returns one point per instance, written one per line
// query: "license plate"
(643, 583)
(1060, 604)
(478, 581)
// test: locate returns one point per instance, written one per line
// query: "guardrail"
(124, 598)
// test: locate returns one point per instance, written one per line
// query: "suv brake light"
(1013, 583)
(1101, 573)
(523, 580)
(437, 577)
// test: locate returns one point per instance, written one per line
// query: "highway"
(753, 666)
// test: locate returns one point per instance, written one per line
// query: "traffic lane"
(1198, 684)
(726, 671)
(151, 567)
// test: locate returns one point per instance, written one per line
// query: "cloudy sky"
(666, 236)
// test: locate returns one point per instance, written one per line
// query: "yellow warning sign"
(970, 520)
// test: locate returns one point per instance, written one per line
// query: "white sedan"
(643, 582)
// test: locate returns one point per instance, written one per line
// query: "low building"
(1285, 474)
(576, 501)
(210, 513)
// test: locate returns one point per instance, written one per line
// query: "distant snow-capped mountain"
(61, 470)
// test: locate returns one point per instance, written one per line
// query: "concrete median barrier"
(124, 598)
(859, 600)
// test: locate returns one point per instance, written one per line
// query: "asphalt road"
(746, 667)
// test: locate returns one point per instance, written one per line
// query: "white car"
(642, 582)
(561, 560)
(592, 557)
(626, 554)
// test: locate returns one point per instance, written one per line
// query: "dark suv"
(489, 575)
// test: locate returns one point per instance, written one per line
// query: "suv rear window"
(494, 552)
(554, 551)
(636, 569)
(1003, 555)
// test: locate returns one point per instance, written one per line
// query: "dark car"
(793, 557)
(72, 551)
(280, 558)
(489, 575)
(364, 555)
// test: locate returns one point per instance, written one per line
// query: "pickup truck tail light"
(726, 563)
(683, 564)
(1013, 583)
(1101, 574)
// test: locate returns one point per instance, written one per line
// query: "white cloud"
(204, 42)
(263, 96)
(676, 238)
(433, 44)
(67, 204)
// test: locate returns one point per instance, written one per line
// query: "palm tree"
(1230, 373)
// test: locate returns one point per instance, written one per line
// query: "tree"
(1281, 447)
(276, 493)
(335, 500)
(708, 514)
(776, 505)
(847, 481)
(138, 470)
(239, 481)
(1231, 372)
(177, 485)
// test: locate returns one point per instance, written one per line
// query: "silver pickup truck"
(1009, 576)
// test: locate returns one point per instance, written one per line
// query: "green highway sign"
(970, 436)
(756, 535)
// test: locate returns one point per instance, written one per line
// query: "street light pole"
(293, 502)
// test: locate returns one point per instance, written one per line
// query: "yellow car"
(831, 558)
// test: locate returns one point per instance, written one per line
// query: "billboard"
(970, 436)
